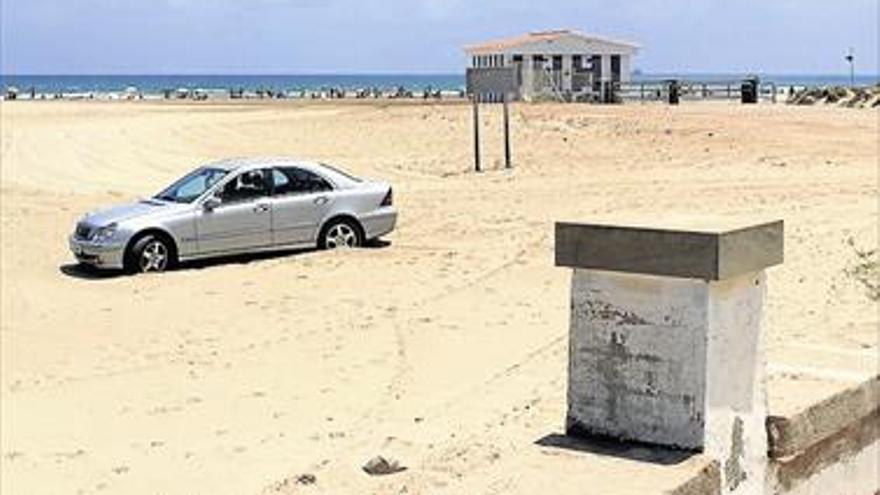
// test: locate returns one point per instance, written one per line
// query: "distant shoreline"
(158, 85)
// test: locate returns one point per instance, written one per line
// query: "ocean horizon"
(157, 83)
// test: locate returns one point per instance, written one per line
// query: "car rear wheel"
(150, 254)
(341, 234)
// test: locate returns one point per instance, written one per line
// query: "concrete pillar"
(665, 337)
(567, 71)
(605, 61)
(528, 77)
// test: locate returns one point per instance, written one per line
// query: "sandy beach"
(446, 348)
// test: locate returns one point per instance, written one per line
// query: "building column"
(605, 86)
(567, 69)
(528, 77)
(665, 337)
(605, 61)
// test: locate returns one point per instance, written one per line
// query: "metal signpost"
(491, 85)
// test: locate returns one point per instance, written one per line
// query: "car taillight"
(389, 198)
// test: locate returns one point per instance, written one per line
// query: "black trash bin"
(674, 92)
(749, 90)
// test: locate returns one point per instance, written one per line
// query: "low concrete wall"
(853, 474)
(792, 435)
(707, 482)
(831, 447)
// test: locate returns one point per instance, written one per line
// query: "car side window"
(291, 180)
(248, 186)
(280, 182)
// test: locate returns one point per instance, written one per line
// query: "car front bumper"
(99, 255)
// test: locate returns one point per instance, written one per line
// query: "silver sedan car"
(237, 206)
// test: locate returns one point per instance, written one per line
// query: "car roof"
(242, 164)
(238, 165)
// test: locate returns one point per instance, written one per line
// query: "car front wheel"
(341, 234)
(150, 254)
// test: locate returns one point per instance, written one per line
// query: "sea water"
(157, 84)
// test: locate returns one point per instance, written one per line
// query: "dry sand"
(446, 349)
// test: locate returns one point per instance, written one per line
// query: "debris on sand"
(861, 97)
(306, 479)
(380, 466)
(290, 484)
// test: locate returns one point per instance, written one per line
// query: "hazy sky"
(425, 36)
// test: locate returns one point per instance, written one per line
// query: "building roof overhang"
(552, 41)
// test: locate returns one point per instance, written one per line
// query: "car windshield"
(193, 185)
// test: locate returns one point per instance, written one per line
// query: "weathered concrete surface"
(847, 462)
(829, 445)
(736, 397)
(672, 361)
(637, 358)
(707, 482)
(790, 435)
(700, 248)
(823, 422)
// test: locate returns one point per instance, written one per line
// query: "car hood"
(121, 213)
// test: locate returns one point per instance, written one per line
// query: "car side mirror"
(212, 203)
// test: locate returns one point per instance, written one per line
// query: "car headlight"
(104, 234)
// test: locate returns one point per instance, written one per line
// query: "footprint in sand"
(11, 456)
(60, 456)
(155, 411)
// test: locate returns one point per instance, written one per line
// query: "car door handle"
(261, 208)
(321, 200)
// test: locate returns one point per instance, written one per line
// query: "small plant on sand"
(865, 270)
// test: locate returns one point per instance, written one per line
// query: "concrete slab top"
(709, 248)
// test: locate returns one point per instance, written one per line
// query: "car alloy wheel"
(154, 257)
(341, 235)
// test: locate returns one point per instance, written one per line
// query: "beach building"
(558, 64)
